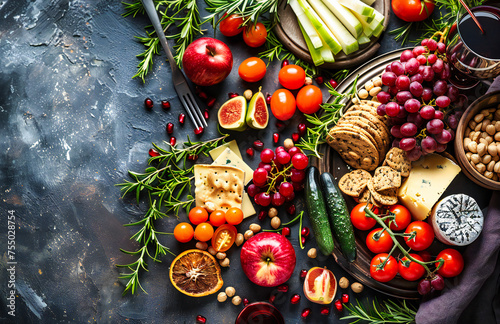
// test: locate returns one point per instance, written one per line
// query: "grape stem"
(276, 175)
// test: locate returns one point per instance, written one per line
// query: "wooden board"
(289, 34)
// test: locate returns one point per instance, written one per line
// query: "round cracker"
(356, 149)
(386, 199)
(354, 182)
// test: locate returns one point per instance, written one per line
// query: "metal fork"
(178, 78)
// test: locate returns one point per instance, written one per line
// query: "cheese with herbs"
(457, 220)
(429, 178)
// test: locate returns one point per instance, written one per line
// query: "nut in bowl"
(477, 144)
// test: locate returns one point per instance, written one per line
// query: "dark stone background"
(72, 124)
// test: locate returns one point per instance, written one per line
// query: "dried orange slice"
(320, 285)
(196, 273)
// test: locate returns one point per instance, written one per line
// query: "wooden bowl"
(489, 100)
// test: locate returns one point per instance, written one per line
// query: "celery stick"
(358, 6)
(316, 56)
(366, 26)
(378, 16)
(363, 39)
(345, 16)
(321, 28)
(307, 26)
(347, 41)
(327, 54)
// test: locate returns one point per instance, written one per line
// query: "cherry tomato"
(217, 218)
(412, 10)
(379, 242)
(388, 272)
(224, 237)
(423, 238)
(234, 216)
(309, 99)
(183, 232)
(360, 220)
(252, 69)
(255, 35)
(203, 232)
(230, 25)
(411, 270)
(198, 215)
(403, 218)
(453, 263)
(426, 256)
(283, 104)
(292, 76)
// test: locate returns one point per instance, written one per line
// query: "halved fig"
(232, 114)
(257, 114)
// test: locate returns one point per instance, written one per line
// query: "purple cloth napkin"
(474, 296)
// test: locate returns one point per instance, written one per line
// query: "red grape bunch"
(417, 98)
(279, 175)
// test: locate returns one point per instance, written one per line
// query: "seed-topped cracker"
(388, 197)
(397, 159)
(354, 148)
(386, 178)
(354, 183)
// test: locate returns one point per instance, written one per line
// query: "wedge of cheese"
(429, 178)
(233, 145)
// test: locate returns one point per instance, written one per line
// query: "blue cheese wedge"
(429, 178)
(457, 220)
(228, 157)
(233, 146)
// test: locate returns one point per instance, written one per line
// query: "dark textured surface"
(72, 124)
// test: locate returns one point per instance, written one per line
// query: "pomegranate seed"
(205, 114)
(211, 102)
(173, 141)
(276, 138)
(245, 301)
(182, 118)
(153, 152)
(280, 125)
(192, 157)
(148, 103)
(295, 137)
(262, 214)
(285, 231)
(325, 311)
(303, 240)
(305, 232)
(302, 129)
(303, 273)
(232, 95)
(170, 128)
(338, 305)
(319, 80)
(250, 152)
(199, 130)
(305, 313)
(345, 298)
(165, 104)
(291, 209)
(258, 145)
(272, 298)
(268, 99)
(200, 319)
(284, 63)
(295, 299)
(202, 95)
(333, 83)
(283, 288)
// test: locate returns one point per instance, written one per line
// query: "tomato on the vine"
(283, 104)
(292, 76)
(231, 25)
(453, 263)
(183, 232)
(309, 99)
(198, 215)
(412, 10)
(379, 241)
(224, 237)
(217, 218)
(403, 218)
(234, 216)
(388, 272)
(252, 69)
(255, 35)
(359, 218)
(203, 232)
(423, 238)
(411, 270)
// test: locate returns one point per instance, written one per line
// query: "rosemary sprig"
(316, 135)
(386, 312)
(166, 182)
(251, 10)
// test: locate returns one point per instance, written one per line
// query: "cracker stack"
(361, 136)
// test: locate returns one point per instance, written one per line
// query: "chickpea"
(491, 166)
(377, 82)
(478, 118)
(478, 127)
(220, 255)
(369, 85)
(373, 92)
(239, 239)
(221, 297)
(363, 94)
(472, 124)
(357, 287)
(472, 147)
(248, 234)
(343, 283)
(211, 250)
(236, 300)
(483, 141)
(224, 263)
(497, 127)
(254, 227)
(480, 167)
(248, 94)
(497, 136)
(201, 246)
(288, 144)
(230, 291)
(496, 168)
(468, 155)
(475, 158)
(486, 159)
(466, 143)
(273, 212)
(475, 136)
(275, 222)
(488, 174)
(489, 140)
(485, 124)
(481, 149)
(308, 81)
(312, 253)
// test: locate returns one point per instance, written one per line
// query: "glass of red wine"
(474, 55)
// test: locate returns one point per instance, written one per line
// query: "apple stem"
(210, 50)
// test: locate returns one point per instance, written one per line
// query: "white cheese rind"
(457, 220)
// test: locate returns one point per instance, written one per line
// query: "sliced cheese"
(231, 145)
(247, 206)
(218, 187)
(429, 178)
(228, 157)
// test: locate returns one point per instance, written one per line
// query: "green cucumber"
(316, 210)
(339, 216)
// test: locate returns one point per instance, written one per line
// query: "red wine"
(487, 44)
(260, 313)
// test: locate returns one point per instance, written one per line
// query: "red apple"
(207, 61)
(268, 259)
